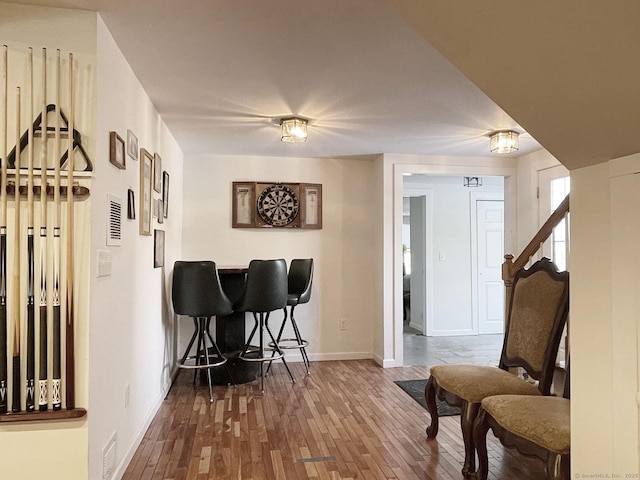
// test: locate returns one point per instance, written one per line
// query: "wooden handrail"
(511, 266)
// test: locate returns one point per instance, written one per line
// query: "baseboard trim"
(131, 450)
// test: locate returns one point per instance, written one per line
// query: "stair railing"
(511, 266)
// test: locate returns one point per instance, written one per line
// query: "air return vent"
(109, 458)
(114, 220)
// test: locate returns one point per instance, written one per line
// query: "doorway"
(453, 243)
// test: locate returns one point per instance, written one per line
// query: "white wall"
(131, 338)
(343, 249)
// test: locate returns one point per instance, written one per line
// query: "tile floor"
(430, 351)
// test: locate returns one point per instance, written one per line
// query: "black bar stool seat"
(196, 292)
(300, 279)
(265, 291)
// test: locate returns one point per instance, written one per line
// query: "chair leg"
(467, 419)
(480, 429)
(219, 353)
(277, 348)
(261, 337)
(558, 467)
(284, 321)
(303, 350)
(430, 397)
(204, 325)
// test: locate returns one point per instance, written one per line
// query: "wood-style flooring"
(348, 420)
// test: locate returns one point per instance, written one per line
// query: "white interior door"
(490, 255)
(418, 236)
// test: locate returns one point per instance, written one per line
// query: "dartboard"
(278, 205)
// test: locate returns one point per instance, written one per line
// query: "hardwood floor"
(348, 420)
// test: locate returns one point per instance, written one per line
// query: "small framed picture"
(132, 145)
(157, 173)
(146, 177)
(158, 248)
(131, 205)
(165, 194)
(116, 151)
(244, 205)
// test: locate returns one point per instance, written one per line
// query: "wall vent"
(109, 458)
(114, 221)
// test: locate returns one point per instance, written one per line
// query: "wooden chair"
(538, 426)
(537, 313)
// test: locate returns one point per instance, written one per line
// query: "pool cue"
(56, 400)
(31, 353)
(43, 393)
(69, 348)
(3, 239)
(15, 383)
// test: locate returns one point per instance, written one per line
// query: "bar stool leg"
(303, 349)
(219, 353)
(273, 352)
(277, 348)
(204, 322)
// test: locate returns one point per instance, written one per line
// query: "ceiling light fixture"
(472, 181)
(504, 141)
(294, 129)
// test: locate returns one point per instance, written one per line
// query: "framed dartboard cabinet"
(276, 205)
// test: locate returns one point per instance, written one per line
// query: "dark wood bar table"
(230, 331)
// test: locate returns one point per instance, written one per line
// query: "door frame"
(474, 197)
(393, 168)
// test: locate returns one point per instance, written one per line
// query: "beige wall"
(604, 317)
(343, 250)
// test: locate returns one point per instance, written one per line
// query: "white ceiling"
(221, 72)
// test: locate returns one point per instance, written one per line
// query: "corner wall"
(343, 249)
(132, 341)
(605, 315)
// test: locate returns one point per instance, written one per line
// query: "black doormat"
(415, 389)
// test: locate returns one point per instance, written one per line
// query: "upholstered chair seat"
(473, 383)
(537, 426)
(542, 420)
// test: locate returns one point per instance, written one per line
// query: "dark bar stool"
(196, 292)
(299, 288)
(265, 291)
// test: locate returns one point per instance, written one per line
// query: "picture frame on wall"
(146, 179)
(311, 203)
(132, 145)
(158, 248)
(165, 194)
(244, 201)
(117, 154)
(157, 173)
(131, 205)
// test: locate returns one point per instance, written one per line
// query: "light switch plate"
(104, 263)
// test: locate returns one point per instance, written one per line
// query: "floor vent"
(316, 459)
(109, 458)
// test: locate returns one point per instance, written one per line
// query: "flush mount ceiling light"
(472, 181)
(294, 129)
(505, 141)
